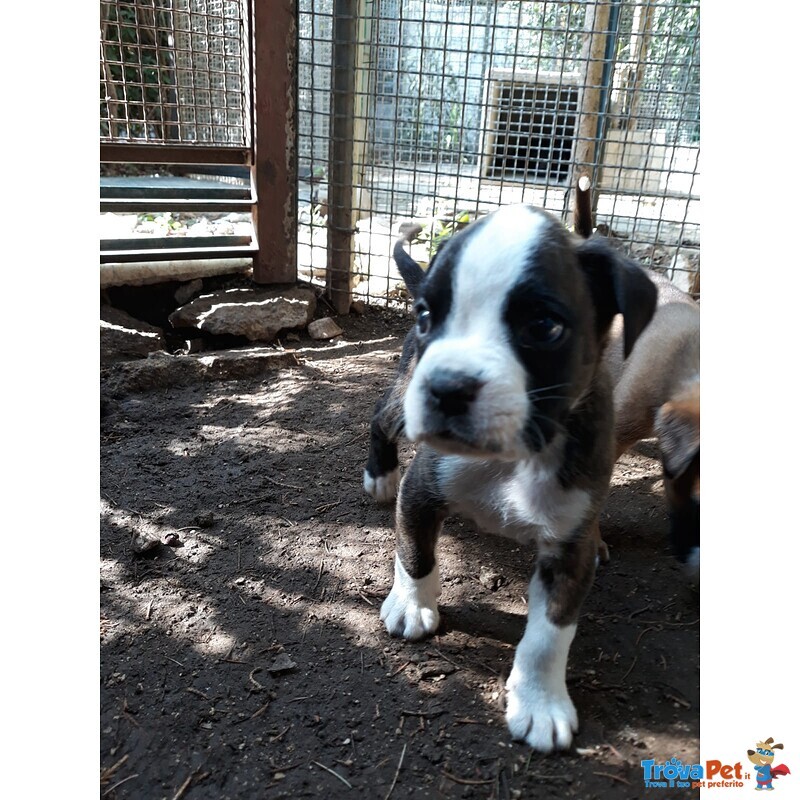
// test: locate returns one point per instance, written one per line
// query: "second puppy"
(657, 393)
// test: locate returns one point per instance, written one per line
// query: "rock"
(491, 579)
(237, 216)
(186, 291)
(282, 663)
(358, 307)
(205, 519)
(434, 670)
(258, 314)
(682, 272)
(123, 338)
(324, 328)
(144, 541)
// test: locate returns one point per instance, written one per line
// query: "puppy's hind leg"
(603, 556)
(411, 609)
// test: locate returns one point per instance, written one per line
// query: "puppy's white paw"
(544, 717)
(411, 610)
(384, 487)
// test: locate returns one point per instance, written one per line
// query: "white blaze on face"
(475, 340)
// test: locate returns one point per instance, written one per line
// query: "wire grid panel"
(314, 63)
(462, 106)
(175, 72)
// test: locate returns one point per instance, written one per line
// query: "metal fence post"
(340, 177)
(274, 172)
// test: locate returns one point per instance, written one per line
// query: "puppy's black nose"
(453, 393)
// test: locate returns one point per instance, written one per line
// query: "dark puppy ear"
(619, 286)
(412, 273)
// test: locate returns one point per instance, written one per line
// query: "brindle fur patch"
(567, 573)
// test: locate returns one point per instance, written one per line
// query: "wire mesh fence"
(460, 106)
(175, 72)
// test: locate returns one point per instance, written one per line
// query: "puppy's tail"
(582, 213)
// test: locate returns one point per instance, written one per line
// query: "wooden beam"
(641, 35)
(274, 173)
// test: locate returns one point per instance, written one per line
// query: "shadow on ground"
(250, 660)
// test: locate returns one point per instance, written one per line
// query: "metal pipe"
(141, 273)
(340, 181)
(609, 63)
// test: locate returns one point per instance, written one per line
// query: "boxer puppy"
(657, 393)
(503, 388)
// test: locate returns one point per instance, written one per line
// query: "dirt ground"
(247, 659)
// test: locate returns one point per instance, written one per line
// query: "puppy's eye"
(542, 330)
(423, 321)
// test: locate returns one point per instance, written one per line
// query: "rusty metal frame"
(271, 39)
(177, 253)
(274, 116)
(174, 154)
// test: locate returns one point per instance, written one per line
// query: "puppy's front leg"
(539, 709)
(411, 609)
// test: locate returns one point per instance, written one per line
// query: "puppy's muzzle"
(467, 399)
(452, 394)
(449, 401)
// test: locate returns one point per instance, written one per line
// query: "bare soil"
(247, 658)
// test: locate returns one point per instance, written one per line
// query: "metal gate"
(203, 88)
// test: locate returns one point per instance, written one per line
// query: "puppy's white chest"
(522, 500)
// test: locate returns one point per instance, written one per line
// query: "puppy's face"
(511, 318)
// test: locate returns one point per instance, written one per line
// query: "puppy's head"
(512, 317)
